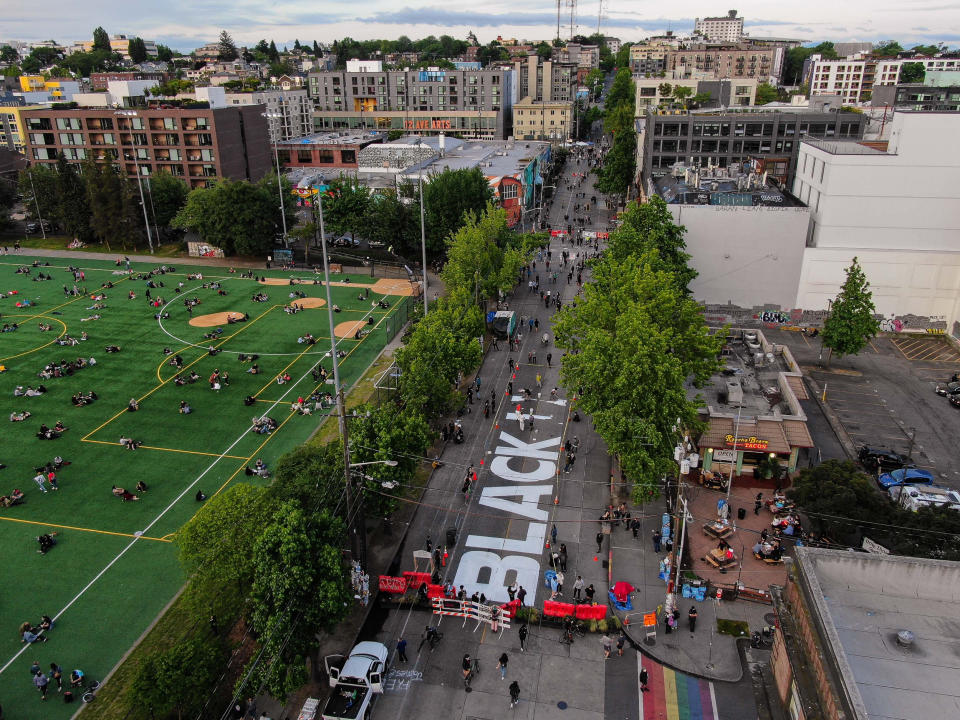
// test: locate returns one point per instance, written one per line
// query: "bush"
(737, 628)
(528, 615)
(602, 626)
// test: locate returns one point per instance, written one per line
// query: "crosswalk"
(675, 696)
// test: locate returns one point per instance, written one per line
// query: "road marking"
(80, 529)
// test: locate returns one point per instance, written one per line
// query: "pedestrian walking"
(522, 596)
(692, 618)
(621, 640)
(577, 588)
(607, 646)
(40, 681)
(643, 680)
(523, 637)
(56, 675)
(514, 693)
(559, 579)
(502, 664)
(549, 359)
(553, 534)
(757, 504)
(539, 381)
(635, 527)
(40, 479)
(511, 592)
(563, 557)
(470, 395)
(402, 650)
(486, 408)
(656, 540)
(599, 541)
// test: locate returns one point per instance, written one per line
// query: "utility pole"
(356, 523)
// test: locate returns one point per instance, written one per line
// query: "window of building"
(509, 191)
(348, 156)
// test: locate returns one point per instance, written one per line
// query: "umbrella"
(622, 590)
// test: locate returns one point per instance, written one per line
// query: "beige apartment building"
(542, 120)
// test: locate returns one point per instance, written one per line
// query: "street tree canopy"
(226, 48)
(852, 322)
(447, 197)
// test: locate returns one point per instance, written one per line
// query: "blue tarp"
(628, 605)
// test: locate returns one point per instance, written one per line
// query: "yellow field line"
(164, 449)
(254, 453)
(41, 347)
(80, 529)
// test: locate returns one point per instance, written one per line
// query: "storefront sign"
(427, 124)
(725, 455)
(746, 443)
(393, 584)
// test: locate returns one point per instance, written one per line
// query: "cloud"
(441, 17)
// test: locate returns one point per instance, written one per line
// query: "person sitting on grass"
(47, 541)
(141, 486)
(112, 348)
(254, 369)
(200, 496)
(60, 427)
(133, 405)
(192, 377)
(185, 408)
(336, 308)
(46, 433)
(124, 495)
(29, 634)
(19, 416)
(129, 443)
(76, 678)
(283, 378)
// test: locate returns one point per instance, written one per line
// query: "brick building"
(735, 61)
(198, 145)
(99, 80)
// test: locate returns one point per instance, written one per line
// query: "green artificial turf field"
(114, 566)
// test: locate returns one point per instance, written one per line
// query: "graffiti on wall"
(772, 316)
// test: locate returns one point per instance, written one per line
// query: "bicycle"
(468, 676)
(90, 690)
(432, 637)
(571, 627)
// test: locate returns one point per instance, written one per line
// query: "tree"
(8, 196)
(38, 185)
(9, 55)
(310, 475)
(795, 58)
(927, 50)
(887, 48)
(112, 208)
(238, 217)
(345, 206)
(394, 223)
(388, 432)
(475, 255)
(137, 50)
(447, 197)
(650, 226)
(101, 41)
(622, 58)
(164, 54)
(216, 544)
(766, 93)
(700, 99)
(851, 324)
(73, 210)
(912, 72)
(545, 50)
(681, 93)
(299, 589)
(177, 679)
(620, 165)
(226, 48)
(622, 91)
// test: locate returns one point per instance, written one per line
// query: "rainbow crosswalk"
(675, 696)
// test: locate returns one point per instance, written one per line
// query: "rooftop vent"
(905, 638)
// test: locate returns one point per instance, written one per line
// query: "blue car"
(905, 476)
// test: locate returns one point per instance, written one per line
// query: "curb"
(845, 442)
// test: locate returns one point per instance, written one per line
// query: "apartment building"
(728, 29)
(721, 138)
(542, 120)
(650, 57)
(468, 103)
(653, 93)
(852, 79)
(198, 145)
(740, 61)
(100, 80)
(548, 80)
(290, 111)
(11, 126)
(119, 44)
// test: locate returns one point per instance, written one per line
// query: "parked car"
(914, 497)
(877, 459)
(905, 476)
(954, 400)
(950, 388)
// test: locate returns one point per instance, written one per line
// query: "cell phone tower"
(601, 3)
(572, 4)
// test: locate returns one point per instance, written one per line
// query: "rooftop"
(354, 137)
(860, 602)
(843, 147)
(496, 158)
(721, 186)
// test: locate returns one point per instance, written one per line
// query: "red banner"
(393, 584)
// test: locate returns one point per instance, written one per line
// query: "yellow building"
(12, 128)
(539, 120)
(32, 83)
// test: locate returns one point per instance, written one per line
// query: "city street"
(503, 531)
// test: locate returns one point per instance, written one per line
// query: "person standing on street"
(621, 639)
(692, 618)
(523, 637)
(402, 650)
(607, 646)
(563, 556)
(502, 664)
(589, 591)
(40, 681)
(514, 693)
(577, 588)
(522, 596)
(757, 504)
(635, 527)
(599, 541)
(643, 680)
(656, 541)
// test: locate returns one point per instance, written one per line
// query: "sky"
(186, 24)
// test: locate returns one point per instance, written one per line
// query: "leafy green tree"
(622, 91)
(299, 589)
(912, 72)
(620, 165)
(238, 217)
(73, 209)
(9, 54)
(394, 223)
(545, 50)
(887, 48)
(311, 475)
(475, 255)
(387, 432)
(795, 57)
(928, 50)
(216, 544)
(766, 93)
(8, 195)
(345, 206)
(681, 93)
(101, 41)
(38, 185)
(442, 346)
(700, 99)
(650, 226)
(226, 47)
(852, 322)
(177, 679)
(137, 50)
(622, 57)
(40, 57)
(665, 90)
(111, 203)
(273, 54)
(447, 197)
(164, 53)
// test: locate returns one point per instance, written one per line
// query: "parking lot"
(885, 395)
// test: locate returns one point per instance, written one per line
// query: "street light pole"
(136, 163)
(423, 231)
(36, 201)
(276, 156)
